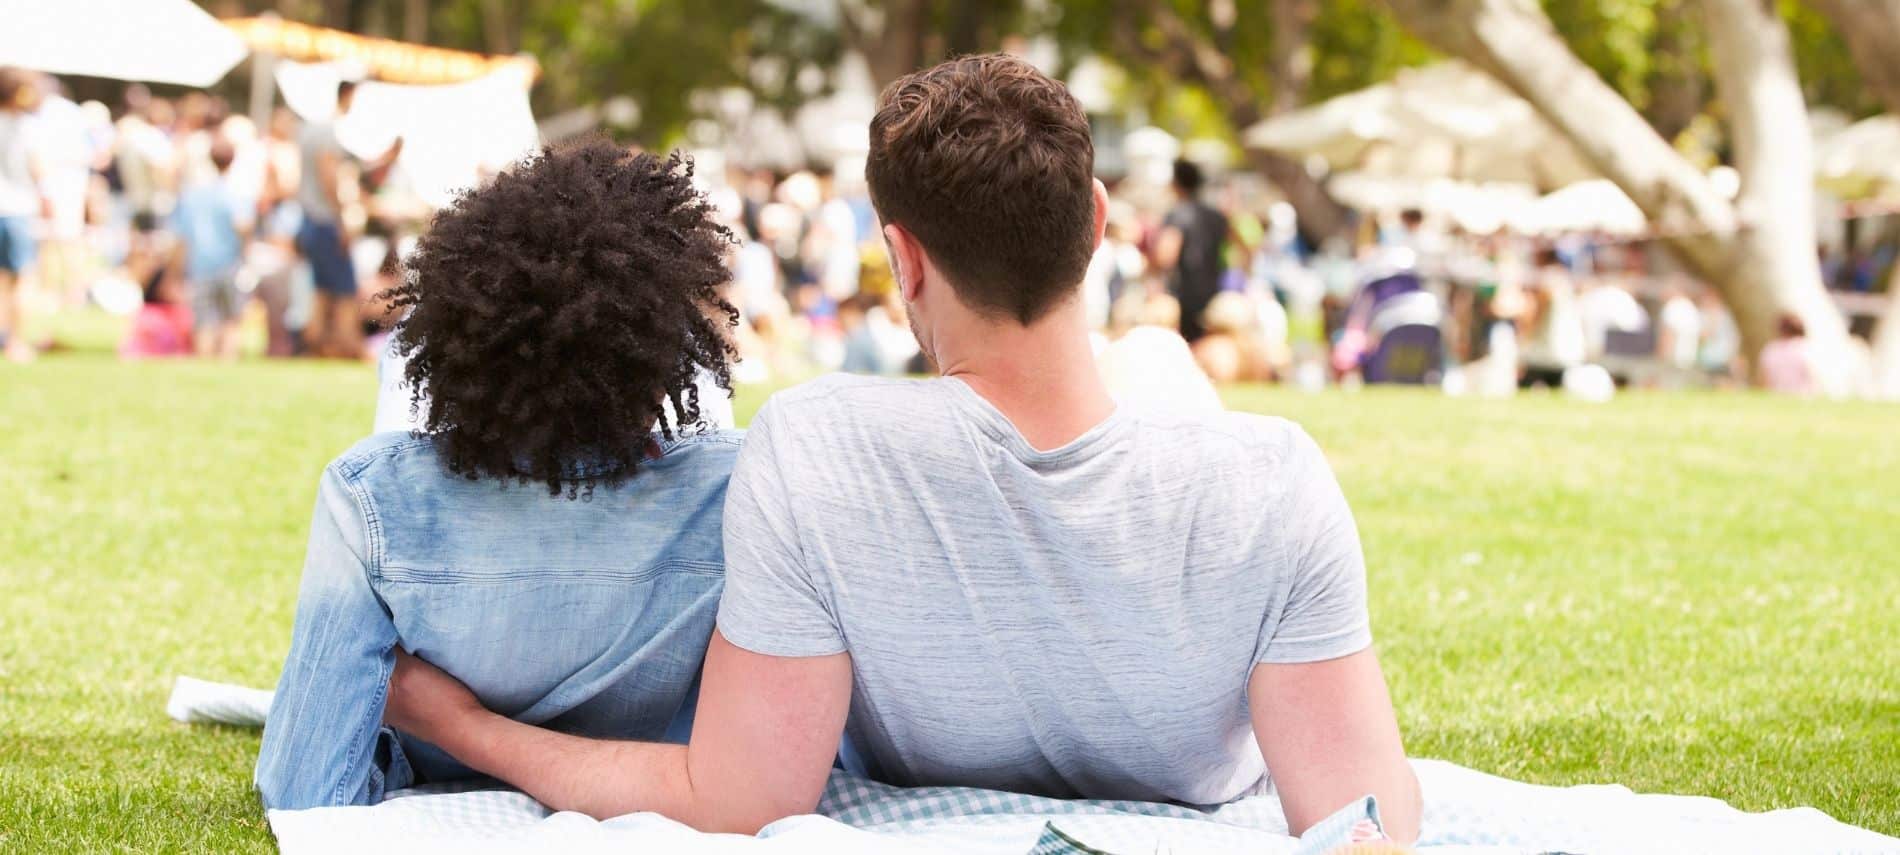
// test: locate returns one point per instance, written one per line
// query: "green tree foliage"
(1356, 43)
(1828, 73)
(659, 52)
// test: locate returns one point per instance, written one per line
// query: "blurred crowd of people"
(1401, 298)
(192, 219)
(187, 217)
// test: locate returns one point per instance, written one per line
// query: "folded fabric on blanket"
(195, 701)
(1465, 812)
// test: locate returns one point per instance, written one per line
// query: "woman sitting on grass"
(552, 535)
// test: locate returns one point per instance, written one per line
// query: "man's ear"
(907, 261)
(1101, 212)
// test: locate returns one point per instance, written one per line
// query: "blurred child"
(162, 327)
(20, 206)
(211, 223)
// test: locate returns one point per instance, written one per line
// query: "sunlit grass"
(1689, 594)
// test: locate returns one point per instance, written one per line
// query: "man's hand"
(424, 701)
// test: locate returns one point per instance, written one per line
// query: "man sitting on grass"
(1006, 579)
(551, 537)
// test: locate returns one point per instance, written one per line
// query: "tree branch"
(1871, 29)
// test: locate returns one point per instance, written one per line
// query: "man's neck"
(1042, 377)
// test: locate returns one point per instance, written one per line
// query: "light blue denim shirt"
(589, 616)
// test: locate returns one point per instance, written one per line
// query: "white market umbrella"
(1476, 208)
(1445, 121)
(160, 41)
(1589, 206)
(1861, 160)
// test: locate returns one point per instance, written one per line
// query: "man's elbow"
(1401, 819)
(749, 819)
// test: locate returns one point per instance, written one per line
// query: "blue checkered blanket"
(1465, 812)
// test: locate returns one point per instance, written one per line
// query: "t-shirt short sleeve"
(1180, 217)
(771, 603)
(1324, 615)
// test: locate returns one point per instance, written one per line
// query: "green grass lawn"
(1691, 594)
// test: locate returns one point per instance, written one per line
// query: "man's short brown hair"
(989, 164)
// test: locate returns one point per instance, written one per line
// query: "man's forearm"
(600, 778)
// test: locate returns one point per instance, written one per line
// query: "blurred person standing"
(835, 227)
(335, 328)
(1245, 230)
(1721, 344)
(66, 151)
(1679, 330)
(144, 158)
(272, 254)
(1117, 265)
(1191, 248)
(1553, 321)
(21, 206)
(212, 222)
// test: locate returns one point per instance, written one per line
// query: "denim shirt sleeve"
(320, 738)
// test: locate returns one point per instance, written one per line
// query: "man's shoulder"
(865, 397)
(1260, 438)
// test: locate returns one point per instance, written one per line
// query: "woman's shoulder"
(383, 445)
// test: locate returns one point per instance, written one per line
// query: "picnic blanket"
(1466, 811)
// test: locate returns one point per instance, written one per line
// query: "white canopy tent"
(453, 134)
(1445, 121)
(160, 41)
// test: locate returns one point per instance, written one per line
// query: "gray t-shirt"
(318, 139)
(1078, 622)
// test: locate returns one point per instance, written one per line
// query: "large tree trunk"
(1760, 259)
(1187, 55)
(1675, 81)
(498, 27)
(890, 36)
(1871, 29)
(415, 21)
(1887, 344)
(1290, 57)
(1774, 253)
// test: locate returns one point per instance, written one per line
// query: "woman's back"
(587, 615)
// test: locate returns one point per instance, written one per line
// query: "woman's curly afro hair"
(556, 315)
